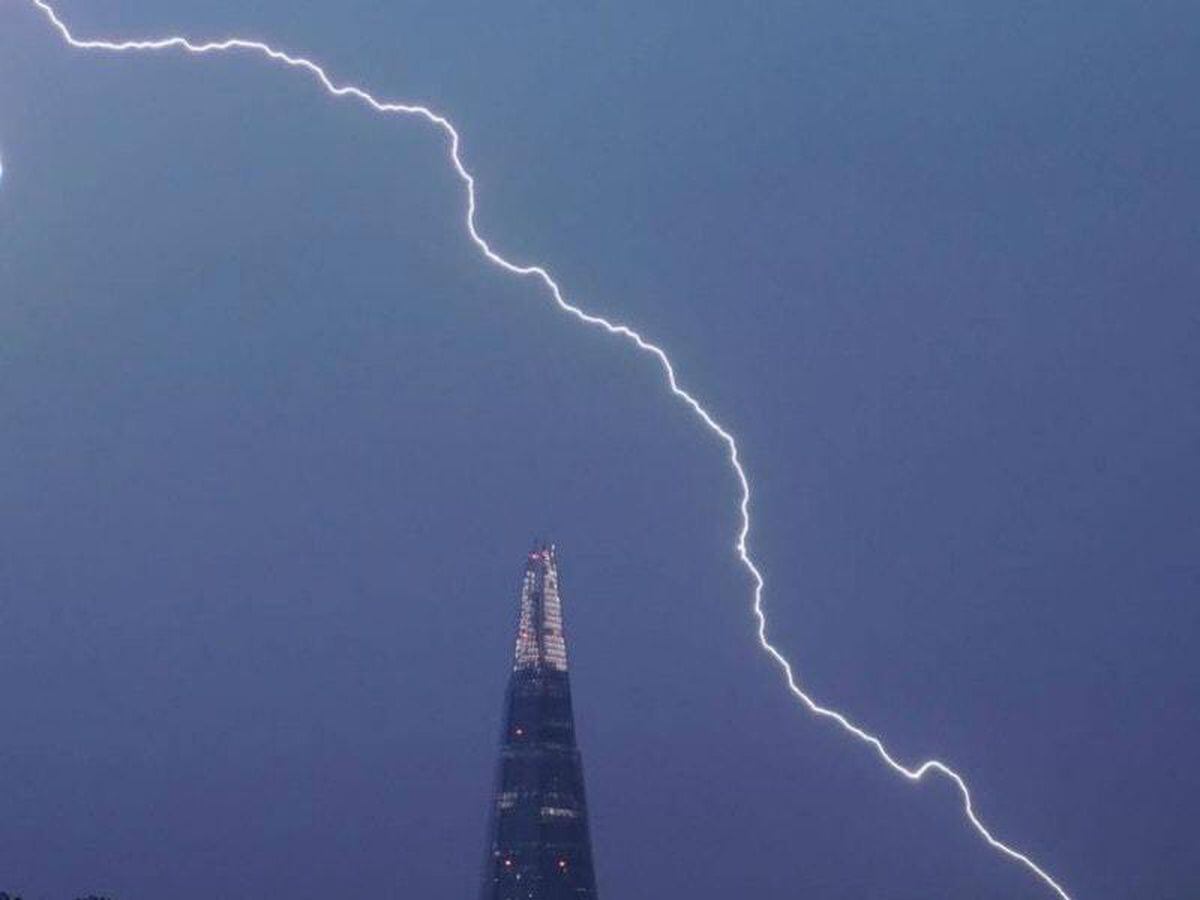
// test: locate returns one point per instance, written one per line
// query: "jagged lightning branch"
(540, 274)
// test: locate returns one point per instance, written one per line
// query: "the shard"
(539, 846)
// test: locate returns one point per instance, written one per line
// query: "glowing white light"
(741, 545)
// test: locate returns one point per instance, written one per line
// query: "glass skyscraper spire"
(539, 846)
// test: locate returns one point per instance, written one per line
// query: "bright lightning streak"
(540, 274)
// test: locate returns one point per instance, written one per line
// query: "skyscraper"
(540, 848)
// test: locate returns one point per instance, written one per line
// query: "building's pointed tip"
(540, 640)
(540, 845)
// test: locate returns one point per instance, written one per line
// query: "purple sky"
(276, 442)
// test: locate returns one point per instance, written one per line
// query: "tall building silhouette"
(539, 848)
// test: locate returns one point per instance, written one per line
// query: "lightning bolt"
(538, 273)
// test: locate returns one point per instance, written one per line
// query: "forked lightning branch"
(538, 273)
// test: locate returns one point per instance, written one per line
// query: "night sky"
(276, 441)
